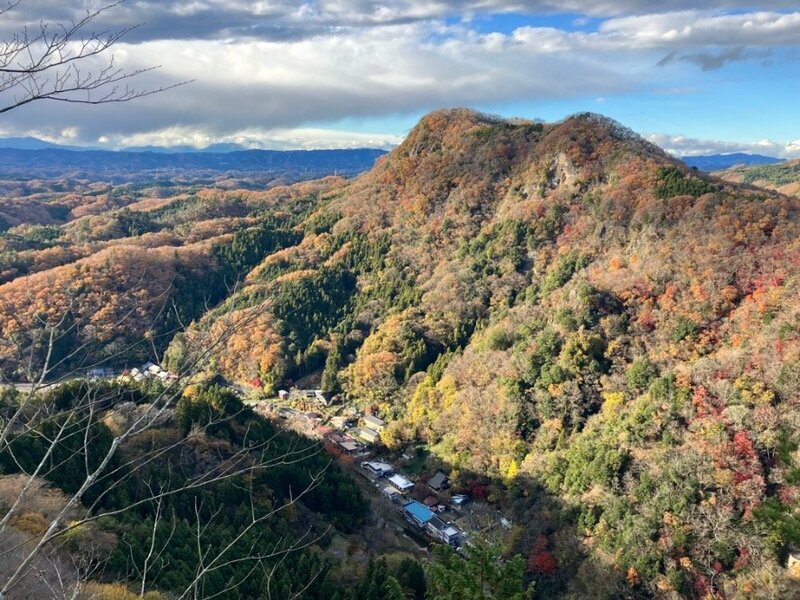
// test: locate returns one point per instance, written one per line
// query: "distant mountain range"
(220, 148)
(32, 158)
(717, 162)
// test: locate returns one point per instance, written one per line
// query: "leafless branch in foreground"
(68, 62)
(75, 427)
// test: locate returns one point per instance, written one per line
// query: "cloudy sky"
(339, 73)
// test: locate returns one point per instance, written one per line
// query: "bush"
(640, 374)
(683, 329)
(671, 182)
(499, 338)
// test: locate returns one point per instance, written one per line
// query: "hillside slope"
(783, 177)
(117, 282)
(576, 325)
(568, 310)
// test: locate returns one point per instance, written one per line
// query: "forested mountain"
(717, 162)
(783, 177)
(608, 340)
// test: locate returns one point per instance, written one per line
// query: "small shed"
(379, 469)
(100, 372)
(153, 369)
(392, 494)
(459, 500)
(350, 446)
(341, 422)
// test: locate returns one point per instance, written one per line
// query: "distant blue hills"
(33, 158)
(718, 162)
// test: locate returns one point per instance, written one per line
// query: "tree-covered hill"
(783, 177)
(561, 306)
(610, 337)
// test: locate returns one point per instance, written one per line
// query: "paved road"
(26, 388)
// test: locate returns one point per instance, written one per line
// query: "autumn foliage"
(540, 559)
(561, 308)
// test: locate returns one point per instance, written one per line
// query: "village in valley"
(422, 499)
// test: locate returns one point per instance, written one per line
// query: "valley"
(576, 329)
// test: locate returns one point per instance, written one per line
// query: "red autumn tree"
(540, 560)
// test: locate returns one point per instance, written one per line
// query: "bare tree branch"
(68, 62)
(74, 427)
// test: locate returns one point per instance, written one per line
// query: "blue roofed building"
(417, 514)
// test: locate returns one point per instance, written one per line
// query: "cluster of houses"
(351, 432)
(366, 430)
(422, 516)
(149, 371)
(370, 429)
(319, 396)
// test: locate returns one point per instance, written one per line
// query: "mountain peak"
(442, 127)
(595, 126)
(447, 146)
(447, 128)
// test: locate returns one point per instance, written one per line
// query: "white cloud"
(279, 66)
(701, 29)
(376, 71)
(685, 146)
(291, 19)
(276, 139)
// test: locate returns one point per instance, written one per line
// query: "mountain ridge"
(783, 177)
(717, 162)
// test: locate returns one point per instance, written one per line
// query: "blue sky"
(720, 77)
